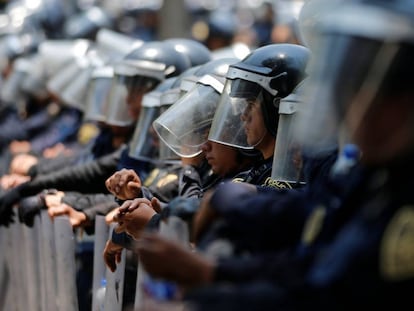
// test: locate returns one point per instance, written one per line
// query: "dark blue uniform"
(355, 254)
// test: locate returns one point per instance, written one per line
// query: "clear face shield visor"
(75, 93)
(67, 73)
(172, 95)
(34, 83)
(352, 67)
(238, 99)
(342, 90)
(11, 90)
(185, 125)
(125, 98)
(97, 94)
(287, 159)
(144, 144)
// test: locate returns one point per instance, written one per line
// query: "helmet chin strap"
(260, 141)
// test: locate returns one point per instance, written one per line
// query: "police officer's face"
(133, 100)
(253, 122)
(136, 88)
(384, 131)
(222, 158)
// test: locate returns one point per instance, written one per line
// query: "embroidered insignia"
(313, 225)
(237, 180)
(397, 247)
(166, 180)
(269, 182)
(151, 177)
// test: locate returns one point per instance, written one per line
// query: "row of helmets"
(93, 76)
(96, 77)
(212, 99)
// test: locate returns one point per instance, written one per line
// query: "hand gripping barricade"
(112, 298)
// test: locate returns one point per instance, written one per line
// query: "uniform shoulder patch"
(397, 246)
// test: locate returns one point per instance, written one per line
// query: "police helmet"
(155, 59)
(197, 52)
(194, 110)
(267, 74)
(144, 144)
(217, 67)
(181, 85)
(87, 23)
(140, 71)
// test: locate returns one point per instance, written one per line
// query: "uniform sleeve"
(269, 221)
(62, 129)
(85, 178)
(189, 182)
(278, 266)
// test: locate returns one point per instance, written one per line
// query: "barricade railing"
(113, 298)
(38, 266)
(172, 228)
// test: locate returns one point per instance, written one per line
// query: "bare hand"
(166, 259)
(138, 213)
(131, 205)
(54, 200)
(21, 163)
(112, 255)
(20, 146)
(13, 180)
(76, 218)
(109, 218)
(156, 205)
(54, 151)
(124, 184)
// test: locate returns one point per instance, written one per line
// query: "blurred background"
(216, 23)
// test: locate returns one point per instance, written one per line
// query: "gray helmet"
(144, 144)
(140, 71)
(157, 60)
(87, 23)
(197, 52)
(194, 110)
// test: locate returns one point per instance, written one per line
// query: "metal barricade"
(31, 263)
(38, 266)
(48, 262)
(99, 268)
(173, 228)
(65, 264)
(114, 282)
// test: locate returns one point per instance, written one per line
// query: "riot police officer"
(138, 72)
(255, 86)
(359, 255)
